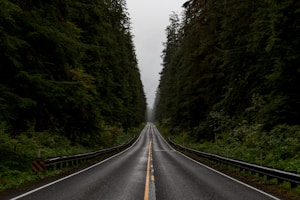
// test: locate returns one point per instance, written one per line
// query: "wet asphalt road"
(169, 174)
(180, 178)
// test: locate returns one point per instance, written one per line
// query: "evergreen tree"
(235, 60)
(69, 67)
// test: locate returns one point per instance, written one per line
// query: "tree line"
(68, 67)
(230, 62)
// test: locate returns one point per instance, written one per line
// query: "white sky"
(149, 20)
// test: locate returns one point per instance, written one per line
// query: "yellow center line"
(146, 194)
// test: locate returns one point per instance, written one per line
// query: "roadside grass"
(281, 190)
(14, 178)
(280, 149)
(16, 154)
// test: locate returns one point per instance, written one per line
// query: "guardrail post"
(64, 164)
(51, 167)
(240, 169)
(246, 168)
(269, 178)
(294, 185)
(68, 161)
(279, 181)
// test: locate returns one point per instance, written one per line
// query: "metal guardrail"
(64, 161)
(292, 178)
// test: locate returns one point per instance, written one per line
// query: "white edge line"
(157, 131)
(76, 173)
(240, 182)
(225, 175)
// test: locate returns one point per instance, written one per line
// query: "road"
(149, 170)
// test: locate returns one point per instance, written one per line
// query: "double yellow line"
(147, 184)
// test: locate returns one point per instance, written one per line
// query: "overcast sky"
(149, 20)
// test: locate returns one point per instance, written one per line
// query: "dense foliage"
(68, 67)
(230, 63)
(69, 81)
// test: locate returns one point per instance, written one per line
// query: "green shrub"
(278, 148)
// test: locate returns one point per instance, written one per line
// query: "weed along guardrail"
(281, 176)
(68, 161)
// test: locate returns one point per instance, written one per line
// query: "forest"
(68, 77)
(230, 80)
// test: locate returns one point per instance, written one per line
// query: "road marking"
(147, 186)
(165, 150)
(76, 173)
(152, 178)
(216, 171)
(231, 178)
